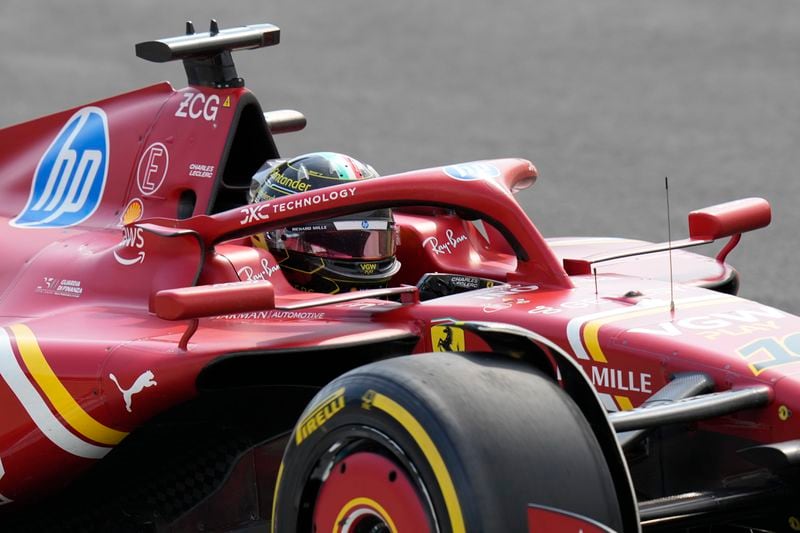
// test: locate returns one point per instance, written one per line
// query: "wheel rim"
(367, 492)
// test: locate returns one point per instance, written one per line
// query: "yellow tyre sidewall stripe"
(434, 458)
(275, 497)
(59, 396)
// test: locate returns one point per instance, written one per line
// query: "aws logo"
(70, 178)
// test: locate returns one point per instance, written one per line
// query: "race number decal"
(771, 352)
(70, 178)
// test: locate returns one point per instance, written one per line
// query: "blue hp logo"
(69, 181)
(472, 171)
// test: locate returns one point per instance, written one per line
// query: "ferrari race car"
(159, 373)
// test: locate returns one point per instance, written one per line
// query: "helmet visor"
(369, 238)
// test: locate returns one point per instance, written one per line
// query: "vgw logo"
(70, 178)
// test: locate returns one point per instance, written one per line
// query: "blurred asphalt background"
(606, 97)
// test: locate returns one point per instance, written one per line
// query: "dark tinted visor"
(368, 238)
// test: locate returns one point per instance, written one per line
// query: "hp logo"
(71, 176)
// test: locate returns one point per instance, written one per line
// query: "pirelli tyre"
(440, 442)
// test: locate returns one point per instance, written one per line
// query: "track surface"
(606, 98)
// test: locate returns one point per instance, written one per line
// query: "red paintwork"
(547, 520)
(730, 218)
(368, 487)
(88, 292)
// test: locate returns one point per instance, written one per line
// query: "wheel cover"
(369, 493)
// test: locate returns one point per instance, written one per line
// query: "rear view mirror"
(730, 218)
(213, 300)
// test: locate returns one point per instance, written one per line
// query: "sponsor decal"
(131, 250)
(145, 379)
(368, 268)
(247, 273)
(468, 282)
(301, 184)
(70, 177)
(70, 288)
(504, 297)
(771, 352)
(274, 314)
(152, 168)
(447, 246)
(196, 105)
(622, 380)
(573, 304)
(497, 306)
(368, 399)
(201, 171)
(311, 227)
(732, 323)
(132, 212)
(254, 213)
(319, 415)
(472, 171)
(503, 291)
(544, 310)
(316, 199)
(447, 339)
(583, 331)
(313, 200)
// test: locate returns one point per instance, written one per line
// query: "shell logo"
(133, 212)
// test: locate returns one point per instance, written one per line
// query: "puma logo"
(143, 381)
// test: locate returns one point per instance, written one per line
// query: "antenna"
(669, 247)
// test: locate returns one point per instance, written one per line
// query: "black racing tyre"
(440, 442)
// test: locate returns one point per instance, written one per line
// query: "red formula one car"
(159, 373)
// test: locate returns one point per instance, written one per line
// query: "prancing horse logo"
(143, 381)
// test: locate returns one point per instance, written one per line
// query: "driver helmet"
(334, 255)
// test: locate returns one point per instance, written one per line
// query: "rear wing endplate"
(706, 225)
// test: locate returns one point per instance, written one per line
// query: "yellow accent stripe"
(428, 448)
(58, 395)
(591, 339)
(592, 328)
(275, 497)
(372, 504)
(624, 403)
